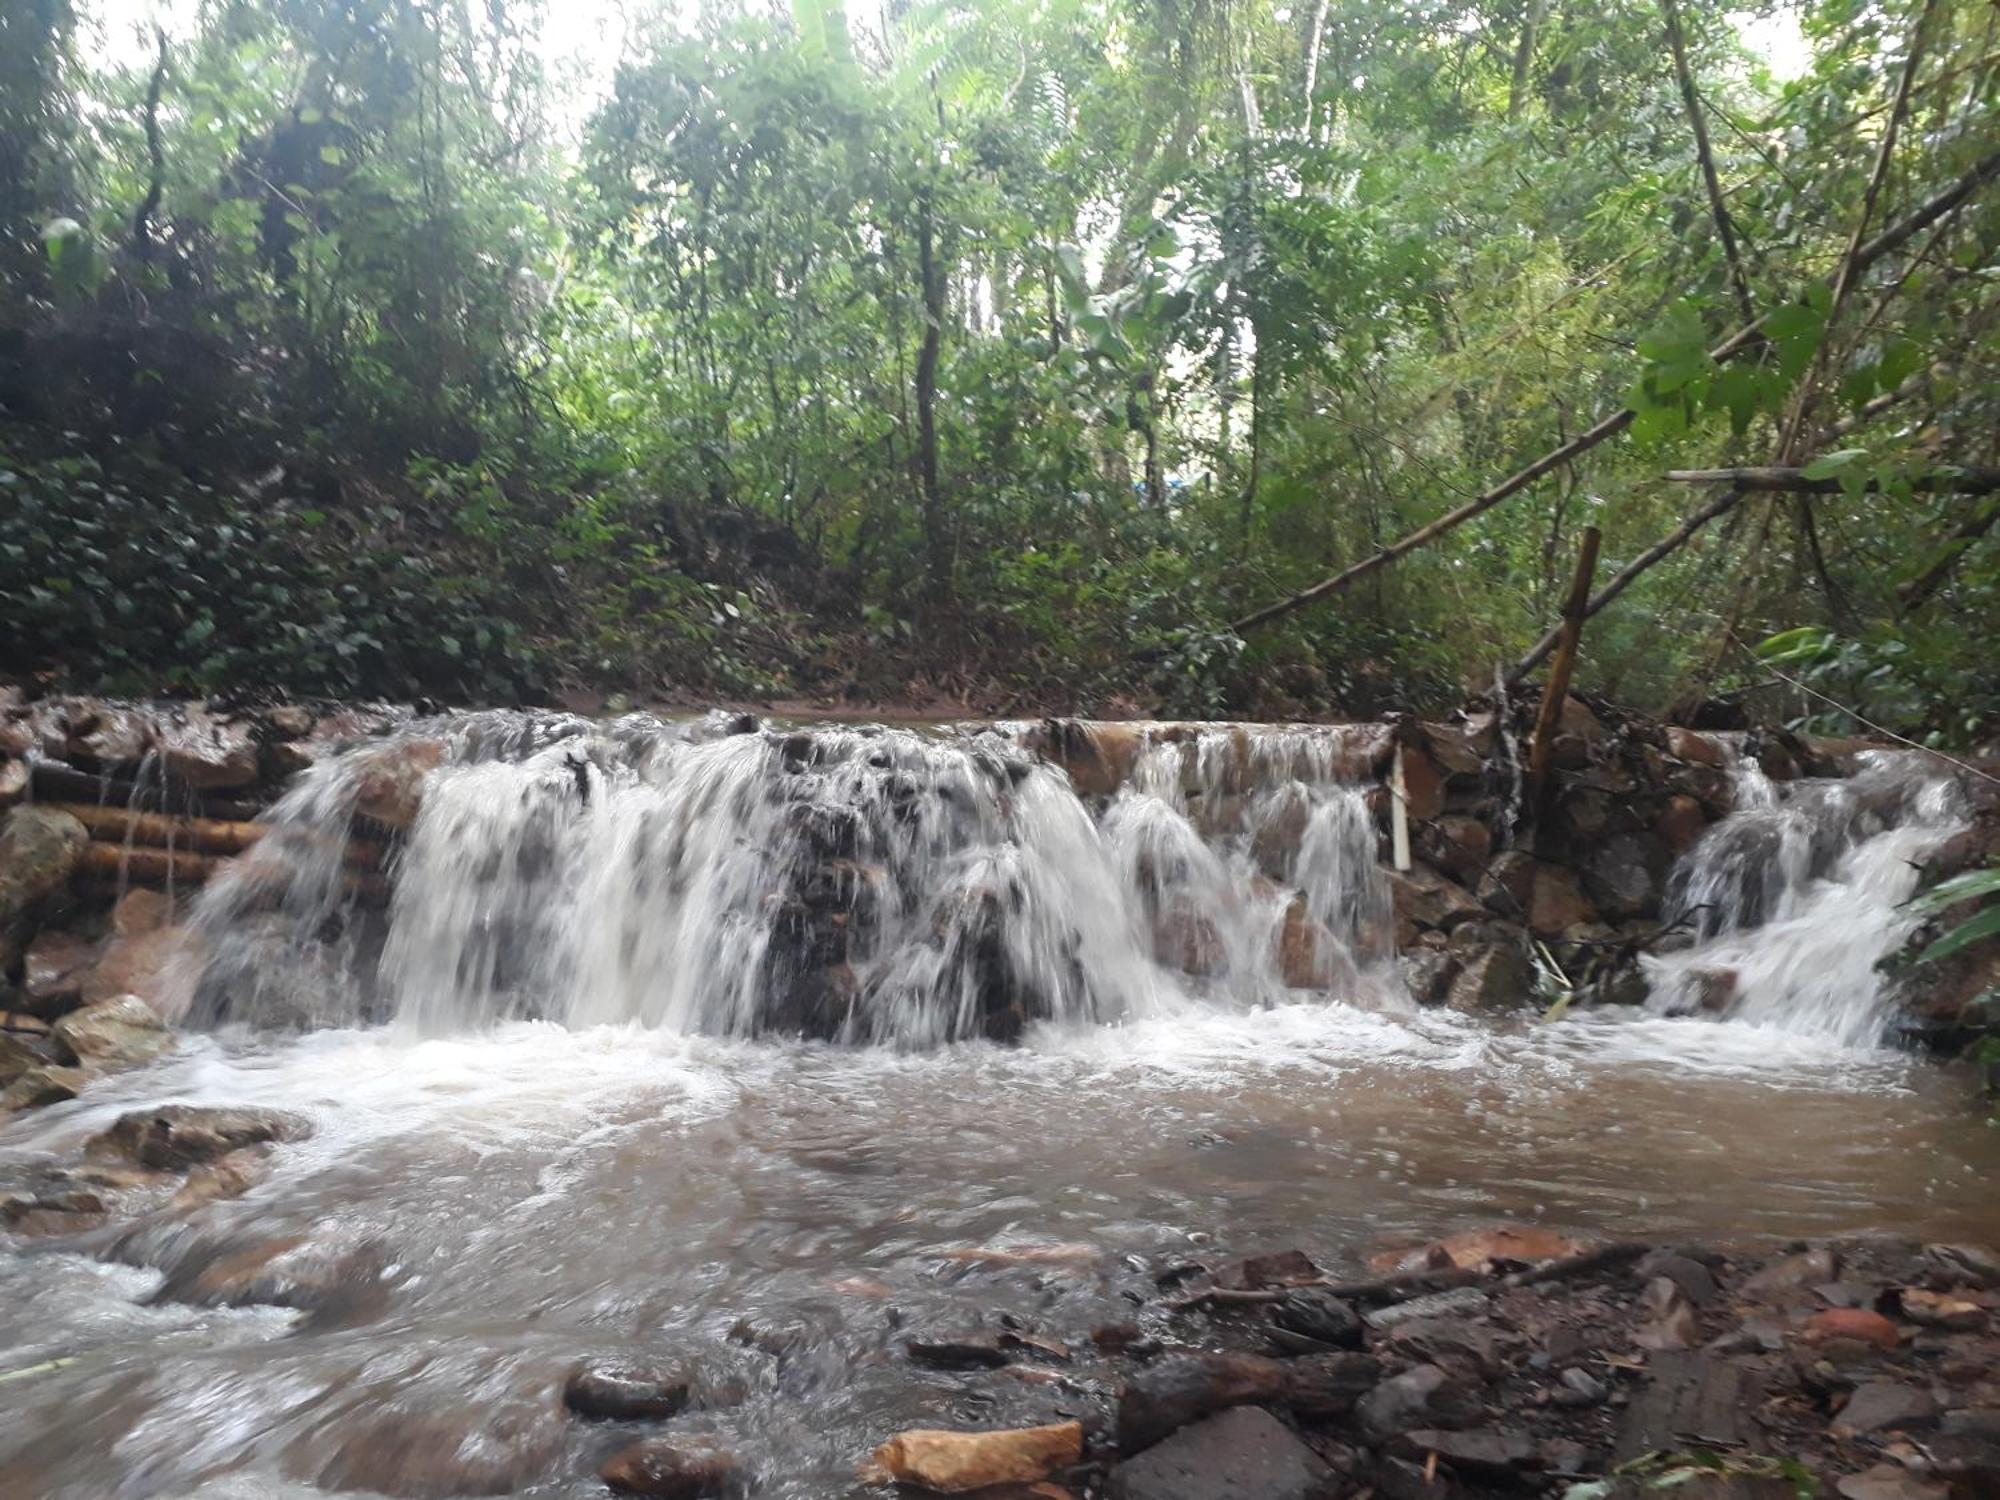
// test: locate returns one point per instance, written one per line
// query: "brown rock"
(155, 965)
(682, 1468)
(626, 1392)
(20, 1052)
(1456, 844)
(1187, 940)
(381, 1446)
(1423, 785)
(1853, 1323)
(140, 911)
(1577, 718)
(1423, 899)
(1698, 749)
(1670, 1321)
(954, 1462)
(1310, 957)
(53, 970)
(290, 1271)
(1956, 1314)
(1233, 1455)
(1793, 1273)
(208, 752)
(1517, 1244)
(1455, 748)
(389, 785)
(1493, 978)
(1681, 823)
(1626, 874)
(121, 1032)
(40, 1086)
(39, 851)
(228, 1176)
(1427, 974)
(13, 780)
(1545, 896)
(174, 1137)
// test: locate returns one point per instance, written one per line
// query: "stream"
(553, 1120)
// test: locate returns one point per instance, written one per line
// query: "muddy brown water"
(781, 1218)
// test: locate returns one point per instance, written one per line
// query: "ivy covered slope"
(1221, 355)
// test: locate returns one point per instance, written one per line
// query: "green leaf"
(1959, 888)
(1968, 932)
(1830, 465)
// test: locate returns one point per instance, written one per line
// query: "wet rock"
(107, 735)
(1793, 1273)
(1669, 1316)
(973, 1351)
(1955, 1314)
(381, 1447)
(56, 1212)
(289, 721)
(140, 911)
(43, 1086)
(1852, 1323)
(289, 1271)
(1423, 785)
(1886, 1405)
(389, 781)
(1427, 974)
(1188, 941)
(1425, 1396)
(1310, 957)
(1422, 899)
(1277, 1270)
(13, 780)
(228, 1176)
(19, 1053)
(1454, 1343)
(1968, 1265)
(1681, 823)
(1233, 1455)
(1697, 749)
(1547, 897)
(1696, 1281)
(1626, 874)
(1491, 978)
(1890, 1482)
(53, 971)
(1172, 1392)
(686, 1468)
(1691, 1393)
(1484, 1452)
(119, 1033)
(1491, 1245)
(1457, 845)
(150, 965)
(1319, 1315)
(953, 1462)
(1581, 1388)
(175, 1137)
(39, 851)
(1459, 1301)
(208, 752)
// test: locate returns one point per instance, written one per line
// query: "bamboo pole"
(1789, 478)
(1399, 813)
(117, 825)
(110, 863)
(1885, 243)
(1575, 609)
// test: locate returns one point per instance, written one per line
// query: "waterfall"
(1795, 896)
(858, 884)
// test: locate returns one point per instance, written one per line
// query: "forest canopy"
(1073, 352)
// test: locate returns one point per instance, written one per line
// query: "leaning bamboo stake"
(1399, 813)
(1575, 608)
(1885, 243)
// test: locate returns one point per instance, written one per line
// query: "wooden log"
(116, 825)
(110, 863)
(1788, 478)
(67, 784)
(1575, 608)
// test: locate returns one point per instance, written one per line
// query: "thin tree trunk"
(937, 544)
(1725, 227)
(1524, 57)
(1313, 44)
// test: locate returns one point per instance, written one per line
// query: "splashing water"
(1795, 896)
(857, 884)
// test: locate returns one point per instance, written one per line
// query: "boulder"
(147, 964)
(1492, 978)
(389, 780)
(682, 1468)
(1456, 748)
(1697, 749)
(1457, 844)
(40, 1086)
(228, 1176)
(39, 851)
(1681, 823)
(20, 1052)
(289, 1271)
(121, 1032)
(626, 1392)
(953, 1462)
(1886, 1406)
(208, 752)
(1578, 718)
(1187, 940)
(53, 971)
(1310, 957)
(1545, 896)
(1427, 974)
(1626, 874)
(1423, 785)
(1235, 1455)
(1423, 899)
(174, 1137)
(1317, 1314)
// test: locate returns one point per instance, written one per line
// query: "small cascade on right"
(1791, 901)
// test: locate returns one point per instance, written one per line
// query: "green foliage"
(995, 345)
(1971, 886)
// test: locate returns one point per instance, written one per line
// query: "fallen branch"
(1885, 243)
(1791, 479)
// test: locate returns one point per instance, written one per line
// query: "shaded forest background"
(1015, 353)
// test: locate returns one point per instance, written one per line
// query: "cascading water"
(857, 884)
(1795, 896)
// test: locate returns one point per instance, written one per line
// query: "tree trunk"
(937, 543)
